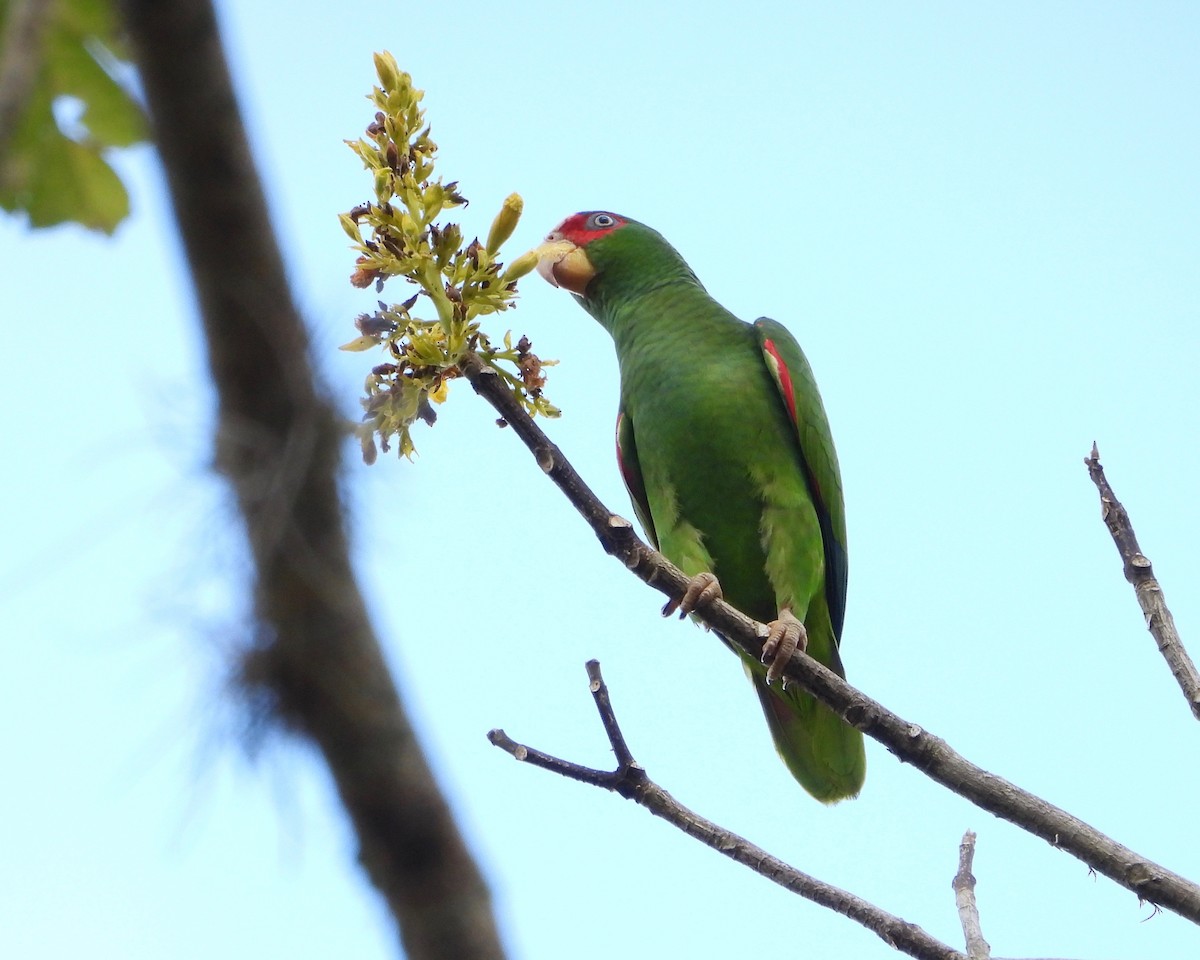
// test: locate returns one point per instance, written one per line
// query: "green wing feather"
(820, 749)
(631, 473)
(793, 376)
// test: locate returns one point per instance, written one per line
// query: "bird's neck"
(671, 312)
(667, 329)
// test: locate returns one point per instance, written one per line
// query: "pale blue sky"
(979, 220)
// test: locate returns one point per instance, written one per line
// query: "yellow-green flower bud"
(505, 222)
(351, 228)
(522, 265)
(383, 185)
(432, 201)
(388, 71)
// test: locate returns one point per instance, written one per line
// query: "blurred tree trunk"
(278, 442)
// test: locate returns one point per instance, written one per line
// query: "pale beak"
(563, 264)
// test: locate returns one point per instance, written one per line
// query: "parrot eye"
(603, 220)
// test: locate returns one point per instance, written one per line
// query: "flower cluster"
(462, 281)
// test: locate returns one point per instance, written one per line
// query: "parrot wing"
(798, 389)
(631, 473)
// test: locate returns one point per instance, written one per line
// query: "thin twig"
(607, 716)
(633, 783)
(929, 754)
(964, 899)
(1140, 574)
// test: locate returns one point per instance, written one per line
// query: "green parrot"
(724, 445)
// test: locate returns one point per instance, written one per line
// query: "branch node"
(857, 714)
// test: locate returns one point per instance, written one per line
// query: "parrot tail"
(823, 752)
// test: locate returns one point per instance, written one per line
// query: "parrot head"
(563, 260)
(595, 250)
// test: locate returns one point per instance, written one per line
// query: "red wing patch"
(780, 372)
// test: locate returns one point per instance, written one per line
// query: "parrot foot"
(701, 590)
(784, 636)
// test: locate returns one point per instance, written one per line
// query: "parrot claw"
(784, 637)
(701, 590)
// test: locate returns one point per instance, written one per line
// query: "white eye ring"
(603, 220)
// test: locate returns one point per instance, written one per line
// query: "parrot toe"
(784, 637)
(701, 590)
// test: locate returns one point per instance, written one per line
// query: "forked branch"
(633, 783)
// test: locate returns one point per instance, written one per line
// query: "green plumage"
(726, 475)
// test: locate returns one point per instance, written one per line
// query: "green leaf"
(109, 115)
(59, 176)
(78, 185)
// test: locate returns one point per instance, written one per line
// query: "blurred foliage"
(462, 281)
(54, 168)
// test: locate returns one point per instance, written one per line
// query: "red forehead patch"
(582, 228)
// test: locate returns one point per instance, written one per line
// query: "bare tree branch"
(929, 754)
(20, 60)
(964, 899)
(1140, 574)
(632, 783)
(278, 442)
